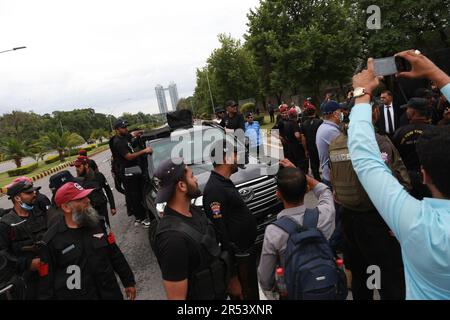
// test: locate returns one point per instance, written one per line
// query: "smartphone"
(390, 65)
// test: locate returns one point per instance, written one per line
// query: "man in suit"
(389, 115)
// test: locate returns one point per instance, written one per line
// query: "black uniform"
(42, 202)
(295, 150)
(133, 184)
(236, 228)
(97, 181)
(91, 249)
(234, 123)
(93, 165)
(181, 257)
(405, 139)
(20, 240)
(309, 129)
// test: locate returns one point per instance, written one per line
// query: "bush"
(104, 143)
(247, 107)
(260, 119)
(52, 159)
(22, 170)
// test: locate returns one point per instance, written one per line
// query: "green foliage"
(15, 149)
(247, 107)
(52, 159)
(22, 170)
(104, 143)
(62, 142)
(260, 119)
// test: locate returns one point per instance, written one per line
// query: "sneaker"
(146, 223)
(137, 222)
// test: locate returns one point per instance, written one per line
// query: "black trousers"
(248, 277)
(272, 117)
(103, 211)
(315, 163)
(134, 195)
(369, 242)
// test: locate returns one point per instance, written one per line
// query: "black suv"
(256, 182)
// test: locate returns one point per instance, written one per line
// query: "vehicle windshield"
(192, 145)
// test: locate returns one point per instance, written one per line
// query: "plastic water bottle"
(340, 264)
(280, 282)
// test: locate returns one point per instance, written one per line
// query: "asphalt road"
(132, 240)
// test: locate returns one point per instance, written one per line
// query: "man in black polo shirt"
(233, 120)
(234, 222)
(185, 241)
(127, 161)
(405, 139)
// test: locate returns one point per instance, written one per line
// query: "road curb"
(52, 170)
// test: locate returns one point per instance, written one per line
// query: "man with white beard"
(79, 255)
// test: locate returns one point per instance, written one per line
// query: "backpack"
(349, 191)
(310, 268)
(209, 281)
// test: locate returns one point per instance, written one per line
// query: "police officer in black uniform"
(131, 174)
(21, 230)
(79, 255)
(309, 129)
(235, 225)
(233, 120)
(97, 181)
(405, 139)
(92, 164)
(186, 246)
(294, 140)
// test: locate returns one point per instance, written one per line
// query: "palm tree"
(62, 142)
(38, 150)
(15, 149)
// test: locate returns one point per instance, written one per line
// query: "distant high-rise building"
(161, 96)
(173, 91)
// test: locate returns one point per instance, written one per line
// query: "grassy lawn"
(5, 179)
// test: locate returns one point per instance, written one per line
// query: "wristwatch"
(359, 92)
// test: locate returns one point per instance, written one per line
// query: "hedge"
(22, 170)
(247, 107)
(52, 159)
(104, 143)
(74, 151)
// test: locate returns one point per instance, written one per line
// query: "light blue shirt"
(421, 227)
(327, 132)
(253, 133)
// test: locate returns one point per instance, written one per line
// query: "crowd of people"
(379, 172)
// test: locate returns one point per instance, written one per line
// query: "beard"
(193, 192)
(86, 218)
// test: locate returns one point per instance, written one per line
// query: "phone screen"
(385, 66)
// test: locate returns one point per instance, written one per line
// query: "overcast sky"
(107, 54)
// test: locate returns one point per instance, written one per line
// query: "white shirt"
(386, 122)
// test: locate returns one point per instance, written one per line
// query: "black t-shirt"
(236, 122)
(405, 139)
(290, 129)
(177, 255)
(122, 146)
(232, 218)
(309, 129)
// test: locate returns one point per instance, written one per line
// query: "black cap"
(120, 123)
(19, 187)
(220, 109)
(169, 172)
(59, 179)
(249, 114)
(231, 103)
(420, 104)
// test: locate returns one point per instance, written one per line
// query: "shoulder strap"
(175, 224)
(287, 224)
(311, 218)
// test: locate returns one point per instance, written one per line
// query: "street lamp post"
(210, 93)
(13, 49)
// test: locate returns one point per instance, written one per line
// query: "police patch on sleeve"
(215, 210)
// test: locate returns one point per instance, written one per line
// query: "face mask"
(26, 206)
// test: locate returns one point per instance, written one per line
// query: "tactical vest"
(349, 191)
(209, 281)
(25, 234)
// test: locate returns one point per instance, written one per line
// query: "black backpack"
(310, 267)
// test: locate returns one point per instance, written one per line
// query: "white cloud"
(107, 54)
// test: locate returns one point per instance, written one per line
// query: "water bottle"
(280, 282)
(340, 264)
